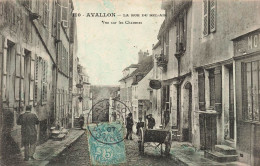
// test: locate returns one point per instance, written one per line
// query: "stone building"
(157, 75)
(226, 84)
(34, 54)
(174, 61)
(210, 57)
(134, 87)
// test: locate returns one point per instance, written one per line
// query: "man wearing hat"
(28, 121)
(151, 121)
(129, 126)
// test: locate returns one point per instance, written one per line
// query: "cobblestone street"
(78, 154)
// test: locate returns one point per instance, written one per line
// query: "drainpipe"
(178, 57)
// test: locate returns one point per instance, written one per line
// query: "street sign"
(155, 84)
(79, 86)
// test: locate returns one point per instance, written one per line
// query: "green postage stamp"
(106, 143)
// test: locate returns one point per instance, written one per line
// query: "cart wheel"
(141, 140)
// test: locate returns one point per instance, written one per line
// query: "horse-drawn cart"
(160, 136)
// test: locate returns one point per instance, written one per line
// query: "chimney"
(140, 56)
(146, 54)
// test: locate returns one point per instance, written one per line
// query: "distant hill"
(100, 92)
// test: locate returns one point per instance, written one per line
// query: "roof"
(132, 66)
(145, 67)
(157, 45)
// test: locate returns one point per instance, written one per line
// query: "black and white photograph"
(130, 82)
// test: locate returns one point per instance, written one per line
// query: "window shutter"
(201, 86)
(22, 75)
(36, 70)
(205, 18)
(218, 89)
(4, 83)
(17, 72)
(32, 77)
(249, 90)
(177, 35)
(212, 16)
(185, 30)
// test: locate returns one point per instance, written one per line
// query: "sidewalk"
(186, 155)
(51, 149)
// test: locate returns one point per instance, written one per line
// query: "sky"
(106, 49)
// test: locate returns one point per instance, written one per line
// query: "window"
(250, 90)
(64, 13)
(181, 30)
(209, 16)
(46, 13)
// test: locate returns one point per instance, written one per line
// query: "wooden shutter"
(32, 72)
(218, 89)
(205, 18)
(185, 30)
(17, 72)
(36, 79)
(4, 82)
(201, 86)
(249, 90)
(22, 75)
(177, 35)
(255, 99)
(212, 18)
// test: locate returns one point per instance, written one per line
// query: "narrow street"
(78, 154)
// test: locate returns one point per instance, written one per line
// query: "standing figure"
(28, 121)
(139, 125)
(129, 126)
(151, 121)
(81, 121)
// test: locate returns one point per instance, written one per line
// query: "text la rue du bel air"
(107, 15)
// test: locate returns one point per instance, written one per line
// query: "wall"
(218, 46)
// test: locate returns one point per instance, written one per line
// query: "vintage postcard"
(129, 82)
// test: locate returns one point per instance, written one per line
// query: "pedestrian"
(139, 125)
(81, 121)
(129, 126)
(28, 121)
(151, 121)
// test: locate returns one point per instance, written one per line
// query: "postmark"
(108, 126)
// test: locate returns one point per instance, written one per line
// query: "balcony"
(161, 61)
(180, 50)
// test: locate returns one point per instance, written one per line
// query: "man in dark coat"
(28, 121)
(129, 126)
(151, 121)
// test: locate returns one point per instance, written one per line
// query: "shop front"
(247, 74)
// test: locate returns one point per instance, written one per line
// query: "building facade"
(30, 57)
(210, 73)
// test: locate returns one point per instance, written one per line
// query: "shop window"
(250, 90)
(209, 16)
